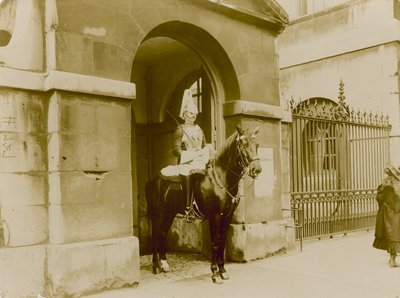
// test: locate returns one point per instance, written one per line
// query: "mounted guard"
(189, 146)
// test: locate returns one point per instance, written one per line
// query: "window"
(197, 93)
(319, 151)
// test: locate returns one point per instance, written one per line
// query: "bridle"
(244, 161)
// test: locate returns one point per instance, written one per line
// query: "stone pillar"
(65, 185)
(65, 168)
(260, 225)
(91, 246)
(23, 192)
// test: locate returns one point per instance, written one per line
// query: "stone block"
(115, 187)
(89, 221)
(22, 152)
(78, 115)
(23, 189)
(113, 118)
(110, 61)
(24, 225)
(113, 152)
(22, 112)
(53, 118)
(71, 188)
(84, 151)
(89, 152)
(53, 153)
(186, 236)
(248, 242)
(22, 271)
(90, 187)
(85, 267)
(72, 43)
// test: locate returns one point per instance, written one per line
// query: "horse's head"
(247, 147)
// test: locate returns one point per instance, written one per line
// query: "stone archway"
(171, 58)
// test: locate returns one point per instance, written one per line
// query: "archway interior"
(162, 70)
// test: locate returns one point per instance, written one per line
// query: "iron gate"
(338, 160)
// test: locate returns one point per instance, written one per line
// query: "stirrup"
(190, 214)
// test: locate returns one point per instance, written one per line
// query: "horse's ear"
(256, 130)
(239, 130)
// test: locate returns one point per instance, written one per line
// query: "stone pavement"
(344, 266)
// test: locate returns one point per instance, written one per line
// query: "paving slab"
(344, 266)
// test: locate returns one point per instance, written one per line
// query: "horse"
(215, 194)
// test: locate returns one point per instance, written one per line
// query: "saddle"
(175, 184)
(174, 179)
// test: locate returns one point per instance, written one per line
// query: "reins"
(244, 163)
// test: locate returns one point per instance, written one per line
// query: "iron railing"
(338, 160)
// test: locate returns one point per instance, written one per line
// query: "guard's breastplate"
(195, 134)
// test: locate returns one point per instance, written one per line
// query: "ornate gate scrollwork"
(338, 159)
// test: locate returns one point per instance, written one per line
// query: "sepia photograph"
(199, 148)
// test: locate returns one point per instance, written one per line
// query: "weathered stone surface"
(21, 111)
(89, 134)
(84, 267)
(248, 242)
(17, 189)
(186, 236)
(85, 206)
(24, 225)
(74, 43)
(22, 126)
(22, 152)
(25, 50)
(22, 271)
(89, 187)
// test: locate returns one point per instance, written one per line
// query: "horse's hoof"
(156, 269)
(224, 275)
(216, 278)
(165, 266)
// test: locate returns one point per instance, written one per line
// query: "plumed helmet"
(188, 103)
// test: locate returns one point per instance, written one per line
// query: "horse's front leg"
(155, 240)
(224, 227)
(214, 223)
(165, 227)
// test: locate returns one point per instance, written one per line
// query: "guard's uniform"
(188, 142)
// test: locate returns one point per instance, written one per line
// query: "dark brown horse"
(215, 193)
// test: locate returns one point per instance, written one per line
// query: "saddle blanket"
(191, 162)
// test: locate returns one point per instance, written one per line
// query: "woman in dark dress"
(387, 228)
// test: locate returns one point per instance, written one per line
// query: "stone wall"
(24, 192)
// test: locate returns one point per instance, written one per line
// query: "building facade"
(340, 55)
(355, 41)
(86, 92)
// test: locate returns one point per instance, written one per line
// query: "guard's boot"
(186, 190)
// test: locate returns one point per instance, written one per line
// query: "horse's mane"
(224, 152)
